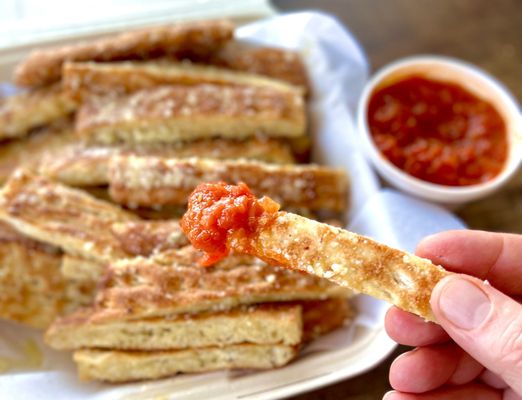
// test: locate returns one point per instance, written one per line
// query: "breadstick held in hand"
(222, 217)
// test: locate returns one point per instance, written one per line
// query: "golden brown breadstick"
(124, 366)
(179, 113)
(190, 39)
(84, 80)
(81, 165)
(67, 218)
(282, 64)
(262, 324)
(155, 181)
(22, 112)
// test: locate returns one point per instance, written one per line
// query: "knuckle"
(510, 346)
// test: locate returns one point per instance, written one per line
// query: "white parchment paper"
(338, 70)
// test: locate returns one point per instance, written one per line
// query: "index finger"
(496, 257)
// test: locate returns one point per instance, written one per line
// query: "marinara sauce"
(438, 131)
(219, 214)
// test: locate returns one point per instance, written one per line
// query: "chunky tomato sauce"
(219, 213)
(438, 131)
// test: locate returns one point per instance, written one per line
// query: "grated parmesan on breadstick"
(157, 181)
(78, 164)
(177, 113)
(87, 79)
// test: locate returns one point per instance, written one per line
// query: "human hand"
(476, 352)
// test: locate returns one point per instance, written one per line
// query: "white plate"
(338, 70)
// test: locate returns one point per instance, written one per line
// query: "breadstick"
(191, 39)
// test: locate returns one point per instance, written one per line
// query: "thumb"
(486, 323)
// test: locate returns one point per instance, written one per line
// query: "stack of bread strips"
(161, 316)
(55, 242)
(251, 337)
(195, 57)
(90, 232)
(156, 111)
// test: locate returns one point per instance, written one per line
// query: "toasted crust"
(324, 316)
(81, 269)
(154, 181)
(146, 238)
(173, 283)
(124, 366)
(348, 259)
(32, 291)
(28, 110)
(81, 165)
(43, 143)
(84, 80)
(178, 113)
(276, 63)
(132, 238)
(191, 39)
(264, 324)
(78, 165)
(61, 216)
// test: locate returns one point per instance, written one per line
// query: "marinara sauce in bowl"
(440, 129)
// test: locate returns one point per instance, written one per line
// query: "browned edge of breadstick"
(83, 80)
(155, 181)
(190, 39)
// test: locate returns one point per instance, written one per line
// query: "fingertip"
(410, 330)
(469, 391)
(432, 245)
(400, 371)
(486, 255)
(459, 302)
(436, 293)
(424, 369)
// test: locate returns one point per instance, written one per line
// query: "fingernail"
(463, 303)
(389, 395)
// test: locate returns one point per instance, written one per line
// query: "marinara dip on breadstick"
(223, 218)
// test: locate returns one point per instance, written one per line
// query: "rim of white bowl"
(428, 190)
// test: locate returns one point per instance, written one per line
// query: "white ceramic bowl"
(475, 81)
